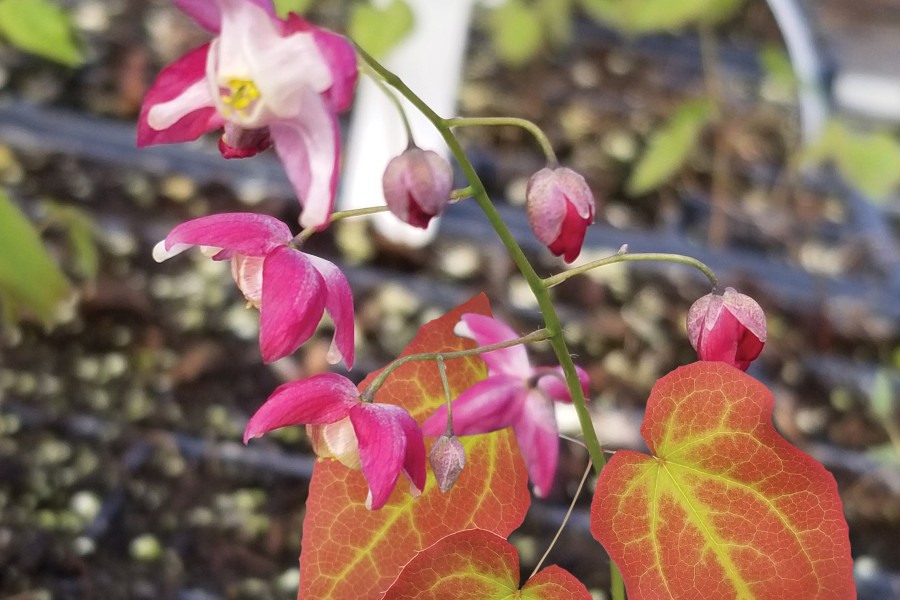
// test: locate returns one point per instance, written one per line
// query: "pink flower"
(729, 327)
(291, 289)
(560, 208)
(265, 80)
(513, 395)
(382, 439)
(417, 186)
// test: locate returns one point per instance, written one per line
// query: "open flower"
(729, 327)
(514, 395)
(265, 80)
(382, 439)
(560, 209)
(290, 288)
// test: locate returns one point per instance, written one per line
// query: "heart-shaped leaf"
(725, 507)
(479, 564)
(352, 552)
(377, 30)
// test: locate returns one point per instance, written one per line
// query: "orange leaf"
(479, 564)
(352, 552)
(725, 507)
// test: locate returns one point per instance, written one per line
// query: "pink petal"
(208, 13)
(554, 384)
(382, 448)
(250, 234)
(538, 438)
(318, 400)
(309, 149)
(490, 405)
(179, 105)
(486, 331)
(414, 459)
(339, 305)
(293, 301)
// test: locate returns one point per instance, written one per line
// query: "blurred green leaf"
(377, 30)
(516, 32)
(647, 16)
(81, 234)
(869, 161)
(669, 147)
(40, 27)
(283, 7)
(881, 397)
(777, 67)
(31, 283)
(556, 16)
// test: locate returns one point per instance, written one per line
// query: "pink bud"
(447, 460)
(730, 328)
(417, 186)
(560, 208)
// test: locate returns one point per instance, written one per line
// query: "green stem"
(625, 257)
(525, 124)
(379, 81)
(339, 216)
(448, 398)
(368, 394)
(541, 293)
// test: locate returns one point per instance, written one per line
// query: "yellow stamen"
(240, 94)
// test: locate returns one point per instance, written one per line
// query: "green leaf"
(377, 30)
(283, 7)
(777, 66)
(31, 283)
(40, 27)
(869, 161)
(516, 32)
(881, 397)
(669, 147)
(81, 234)
(556, 16)
(647, 16)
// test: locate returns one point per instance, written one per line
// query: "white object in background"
(429, 60)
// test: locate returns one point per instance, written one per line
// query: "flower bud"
(447, 460)
(730, 328)
(417, 186)
(560, 208)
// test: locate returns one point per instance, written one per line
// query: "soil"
(121, 471)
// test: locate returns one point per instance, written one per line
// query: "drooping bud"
(417, 186)
(560, 208)
(239, 142)
(730, 328)
(447, 460)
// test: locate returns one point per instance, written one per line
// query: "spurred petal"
(179, 106)
(250, 234)
(293, 301)
(309, 148)
(486, 331)
(554, 384)
(538, 438)
(339, 305)
(490, 405)
(382, 447)
(320, 399)
(414, 459)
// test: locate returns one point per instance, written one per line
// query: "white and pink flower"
(265, 81)
(291, 289)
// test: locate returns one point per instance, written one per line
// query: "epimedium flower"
(265, 81)
(728, 327)
(381, 439)
(515, 394)
(417, 186)
(290, 288)
(560, 208)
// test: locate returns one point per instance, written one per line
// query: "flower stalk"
(621, 257)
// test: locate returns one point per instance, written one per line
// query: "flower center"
(239, 97)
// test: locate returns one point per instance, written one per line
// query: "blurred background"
(760, 137)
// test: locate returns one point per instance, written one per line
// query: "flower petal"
(414, 459)
(382, 448)
(486, 331)
(339, 305)
(293, 301)
(179, 106)
(250, 234)
(208, 13)
(309, 149)
(490, 405)
(320, 399)
(538, 438)
(553, 384)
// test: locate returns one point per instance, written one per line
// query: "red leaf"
(725, 507)
(352, 552)
(478, 564)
